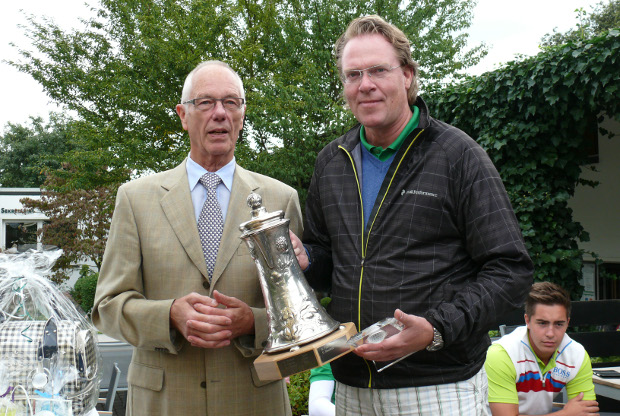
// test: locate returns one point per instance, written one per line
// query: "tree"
(79, 220)
(27, 150)
(604, 16)
(123, 72)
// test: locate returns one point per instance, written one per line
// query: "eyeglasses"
(354, 76)
(208, 103)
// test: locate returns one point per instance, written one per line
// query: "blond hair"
(373, 24)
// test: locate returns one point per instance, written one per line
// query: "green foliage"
(603, 17)
(605, 274)
(298, 390)
(531, 117)
(84, 290)
(606, 16)
(79, 219)
(123, 73)
(27, 150)
(610, 359)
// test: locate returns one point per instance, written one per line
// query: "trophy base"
(315, 354)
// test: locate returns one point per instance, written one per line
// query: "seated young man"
(529, 366)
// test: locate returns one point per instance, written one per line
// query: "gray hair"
(188, 85)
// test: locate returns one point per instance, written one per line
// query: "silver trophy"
(295, 316)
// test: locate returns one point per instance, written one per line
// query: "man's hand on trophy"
(300, 251)
(200, 329)
(416, 335)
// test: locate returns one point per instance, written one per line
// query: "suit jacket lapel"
(177, 205)
(238, 213)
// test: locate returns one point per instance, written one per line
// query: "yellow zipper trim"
(391, 180)
(359, 191)
(359, 289)
(365, 245)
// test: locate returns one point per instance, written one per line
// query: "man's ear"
(527, 319)
(180, 108)
(408, 72)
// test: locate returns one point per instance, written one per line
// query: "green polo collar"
(384, 154)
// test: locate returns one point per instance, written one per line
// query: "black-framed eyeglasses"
(208, 103)
(354, 76)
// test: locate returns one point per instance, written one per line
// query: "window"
(609, 284)
(23, 235)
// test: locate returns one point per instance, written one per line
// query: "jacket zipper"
(365, 243)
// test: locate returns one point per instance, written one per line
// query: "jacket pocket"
(140, 375)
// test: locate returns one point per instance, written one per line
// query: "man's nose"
(219, 111)
(366, 82)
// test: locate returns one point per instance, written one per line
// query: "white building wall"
(598, 209)
(12, 211)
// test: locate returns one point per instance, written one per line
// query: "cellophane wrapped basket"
(50, 362)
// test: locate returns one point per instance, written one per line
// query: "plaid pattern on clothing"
(19, 343)
(463, 398)
(443, 243)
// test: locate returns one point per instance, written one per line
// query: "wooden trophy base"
(276, 366)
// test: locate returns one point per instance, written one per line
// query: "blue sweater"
(373, 173)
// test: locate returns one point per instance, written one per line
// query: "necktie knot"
(210, 180)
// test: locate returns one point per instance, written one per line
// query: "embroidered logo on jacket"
(416, 192)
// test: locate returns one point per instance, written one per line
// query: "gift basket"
(49, 357)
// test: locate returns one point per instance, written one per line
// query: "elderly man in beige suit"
(196, 327)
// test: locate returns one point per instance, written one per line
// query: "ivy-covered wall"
(532, 116)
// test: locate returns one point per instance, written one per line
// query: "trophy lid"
(261, 219)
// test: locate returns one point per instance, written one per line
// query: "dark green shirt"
(384, 154)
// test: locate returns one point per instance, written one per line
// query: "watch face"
(437, 341)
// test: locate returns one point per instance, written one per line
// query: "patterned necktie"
(210, 222)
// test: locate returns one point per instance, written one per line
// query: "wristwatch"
(437, 342)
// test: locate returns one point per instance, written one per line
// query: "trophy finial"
(254, 201)
(260, 217)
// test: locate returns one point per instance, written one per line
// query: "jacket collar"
(351, 139)
(179, 210)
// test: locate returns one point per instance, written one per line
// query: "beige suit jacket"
(153, 256)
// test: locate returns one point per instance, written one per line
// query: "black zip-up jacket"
(442, 242)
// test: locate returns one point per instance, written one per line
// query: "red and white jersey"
(536, 390)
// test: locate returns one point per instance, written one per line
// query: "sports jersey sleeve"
(325, 373)
(582, 381)
(502, 376)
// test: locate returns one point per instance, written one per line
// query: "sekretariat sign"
(16, 210)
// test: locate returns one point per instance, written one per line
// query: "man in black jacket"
(406, 216)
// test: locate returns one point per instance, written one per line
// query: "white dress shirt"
(199, 192)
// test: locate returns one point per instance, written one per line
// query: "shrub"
(298, 390)
(84, 290)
